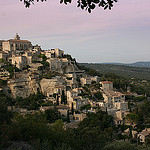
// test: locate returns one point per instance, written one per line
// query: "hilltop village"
(28, 70)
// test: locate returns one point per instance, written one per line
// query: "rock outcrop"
(23, 86)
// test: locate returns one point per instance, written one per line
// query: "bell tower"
(17, 37)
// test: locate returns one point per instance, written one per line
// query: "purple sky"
(120, 35)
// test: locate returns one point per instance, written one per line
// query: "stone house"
(121, 105)
(86, 80)
(96, 79)
(19, 61)
(106, 85)
(144, 135)
(114, 98)
(54, 53)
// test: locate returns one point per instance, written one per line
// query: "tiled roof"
(106, 82)
(13, 40)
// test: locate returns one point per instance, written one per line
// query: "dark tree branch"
(83, 4)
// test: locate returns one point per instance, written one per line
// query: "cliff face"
(48, 86)
(26, 83)
(23, 85)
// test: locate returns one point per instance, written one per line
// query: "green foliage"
(121, 145)
(91, 139)
(49, 75)
(132, 118)
(68, 57)
(49, 103)
(92, 133)
(85, 107)
(100, 119)
(3, 82)
(31, 103)
(5, 116)
(2, 60)
(118, 81)
(144, 110)
(35, 61)
(72, 109)
(10, 68)
(5, 120)
(30, 127)
(68, 118)
(43, 57)
(52, 115)
(89, 71)
(63, 98)
(45, 64)
(139, 98)
(98, 95)
(122, 76)
(121, 70)
(138, 89)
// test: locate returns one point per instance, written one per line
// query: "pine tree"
(68, 118)
(72, 109)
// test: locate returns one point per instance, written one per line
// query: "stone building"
(37, 48)
(54, 53)
(3, 55)
(86, 80)
(106, 85)
(61, 65)
(19, 61)
(144, 135)
(75, 100)
(16, 45)
(112, 98)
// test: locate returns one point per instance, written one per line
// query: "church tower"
(17, 37)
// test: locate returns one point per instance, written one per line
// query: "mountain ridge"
(135, 64)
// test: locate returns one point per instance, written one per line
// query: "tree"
(68, 118)
(100, 119)
(30, 126)
(57, 100)
(132, 118)
(129, 106)
(4, 114)
(120, 145)
(63, 98)
(99, 95)
(72, 109)
(52, 115)
(88, 5)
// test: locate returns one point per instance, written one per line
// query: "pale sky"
(120, 35)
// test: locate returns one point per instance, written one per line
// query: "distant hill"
(141, 64)
(136, 64)
(122, 70)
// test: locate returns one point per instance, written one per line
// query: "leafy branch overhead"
(88, 5)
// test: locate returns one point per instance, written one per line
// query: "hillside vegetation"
(122, 70)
